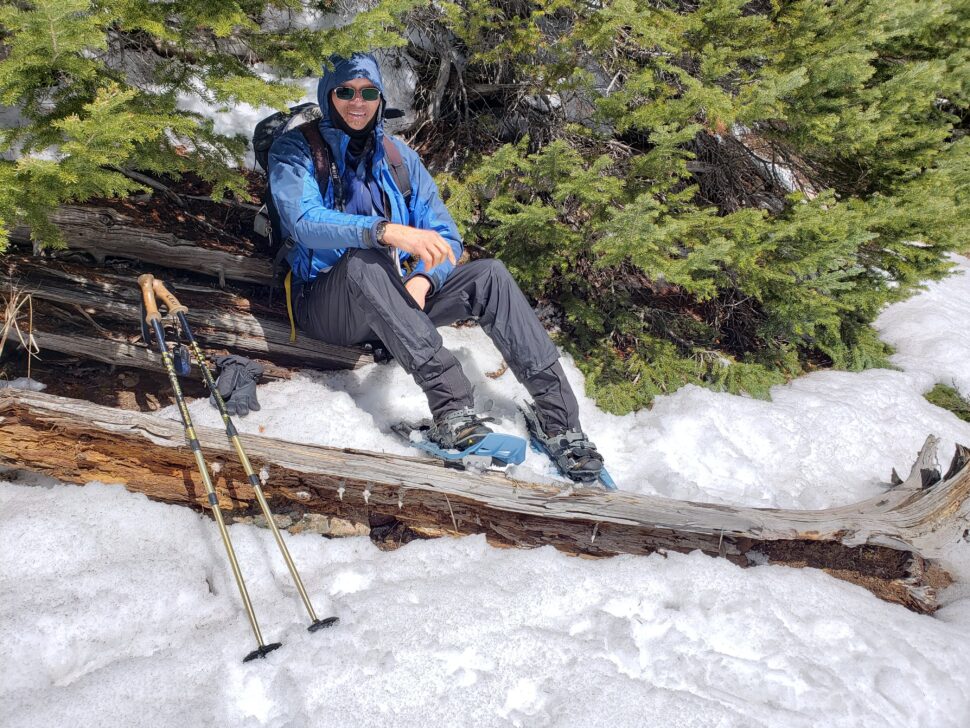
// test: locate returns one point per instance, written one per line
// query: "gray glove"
(237, 384)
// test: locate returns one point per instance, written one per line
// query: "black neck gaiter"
(358, 139)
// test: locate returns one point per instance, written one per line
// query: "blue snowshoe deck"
(496, 449)
(532, 423)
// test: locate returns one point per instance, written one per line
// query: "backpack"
(304, 117)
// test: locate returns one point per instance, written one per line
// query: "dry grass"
(12, 307)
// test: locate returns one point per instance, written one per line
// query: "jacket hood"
(359, 65)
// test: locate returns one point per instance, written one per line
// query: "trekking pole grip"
(145, 282)
(174, 307)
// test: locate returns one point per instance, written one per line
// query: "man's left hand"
(418, 287)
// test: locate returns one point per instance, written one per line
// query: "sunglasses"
(346, 93)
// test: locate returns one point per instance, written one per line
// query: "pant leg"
(484, 290)
(555, 399)
(363, 298)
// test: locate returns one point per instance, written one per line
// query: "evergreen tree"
(723, 192)
(98, 81)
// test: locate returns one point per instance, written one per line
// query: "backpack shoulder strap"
(323, 166)
(319, 152)
(398, 168)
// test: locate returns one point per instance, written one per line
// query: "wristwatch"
(379, 232)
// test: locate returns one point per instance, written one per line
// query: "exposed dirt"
(122, 387)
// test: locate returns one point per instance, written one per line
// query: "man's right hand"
(427, 245)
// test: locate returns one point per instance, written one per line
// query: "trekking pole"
(154, 320)
(179, 310)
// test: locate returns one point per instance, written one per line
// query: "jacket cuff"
(440, 274)
(370, 235)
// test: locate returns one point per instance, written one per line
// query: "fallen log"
(106, 323)
(885, 544)
(121, 353)
(103, 231)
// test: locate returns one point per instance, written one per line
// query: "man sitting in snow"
(349, 286)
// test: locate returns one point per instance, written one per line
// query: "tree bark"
(885, 544)
(102, 231)
(95, 315)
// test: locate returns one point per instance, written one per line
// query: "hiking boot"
(459, 430)
(571, 451)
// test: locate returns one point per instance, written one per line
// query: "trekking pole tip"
(262, 651)
(323, 623)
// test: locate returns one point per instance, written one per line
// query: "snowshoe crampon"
(495, 449)
(570, 449)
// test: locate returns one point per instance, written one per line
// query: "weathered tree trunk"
(95, 315)
(884, 543)
(102, 231)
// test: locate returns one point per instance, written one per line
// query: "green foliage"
(723, 192)
(949, 399)
(659, 224)
(98, 83)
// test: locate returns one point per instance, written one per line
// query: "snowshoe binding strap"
(572, 452)
(459, 430)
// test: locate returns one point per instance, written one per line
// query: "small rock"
(128, 379)
(339, 528)
(311, 523)
(281, 519)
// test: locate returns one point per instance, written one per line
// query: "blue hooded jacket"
(321, 232)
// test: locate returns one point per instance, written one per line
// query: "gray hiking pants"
(362, 298)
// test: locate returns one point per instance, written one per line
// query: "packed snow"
(120, 611)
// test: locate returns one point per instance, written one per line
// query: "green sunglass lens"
(345, 93)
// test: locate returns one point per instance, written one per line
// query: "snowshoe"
(461, 438)
(571, 451)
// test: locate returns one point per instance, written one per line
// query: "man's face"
(357, 113)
